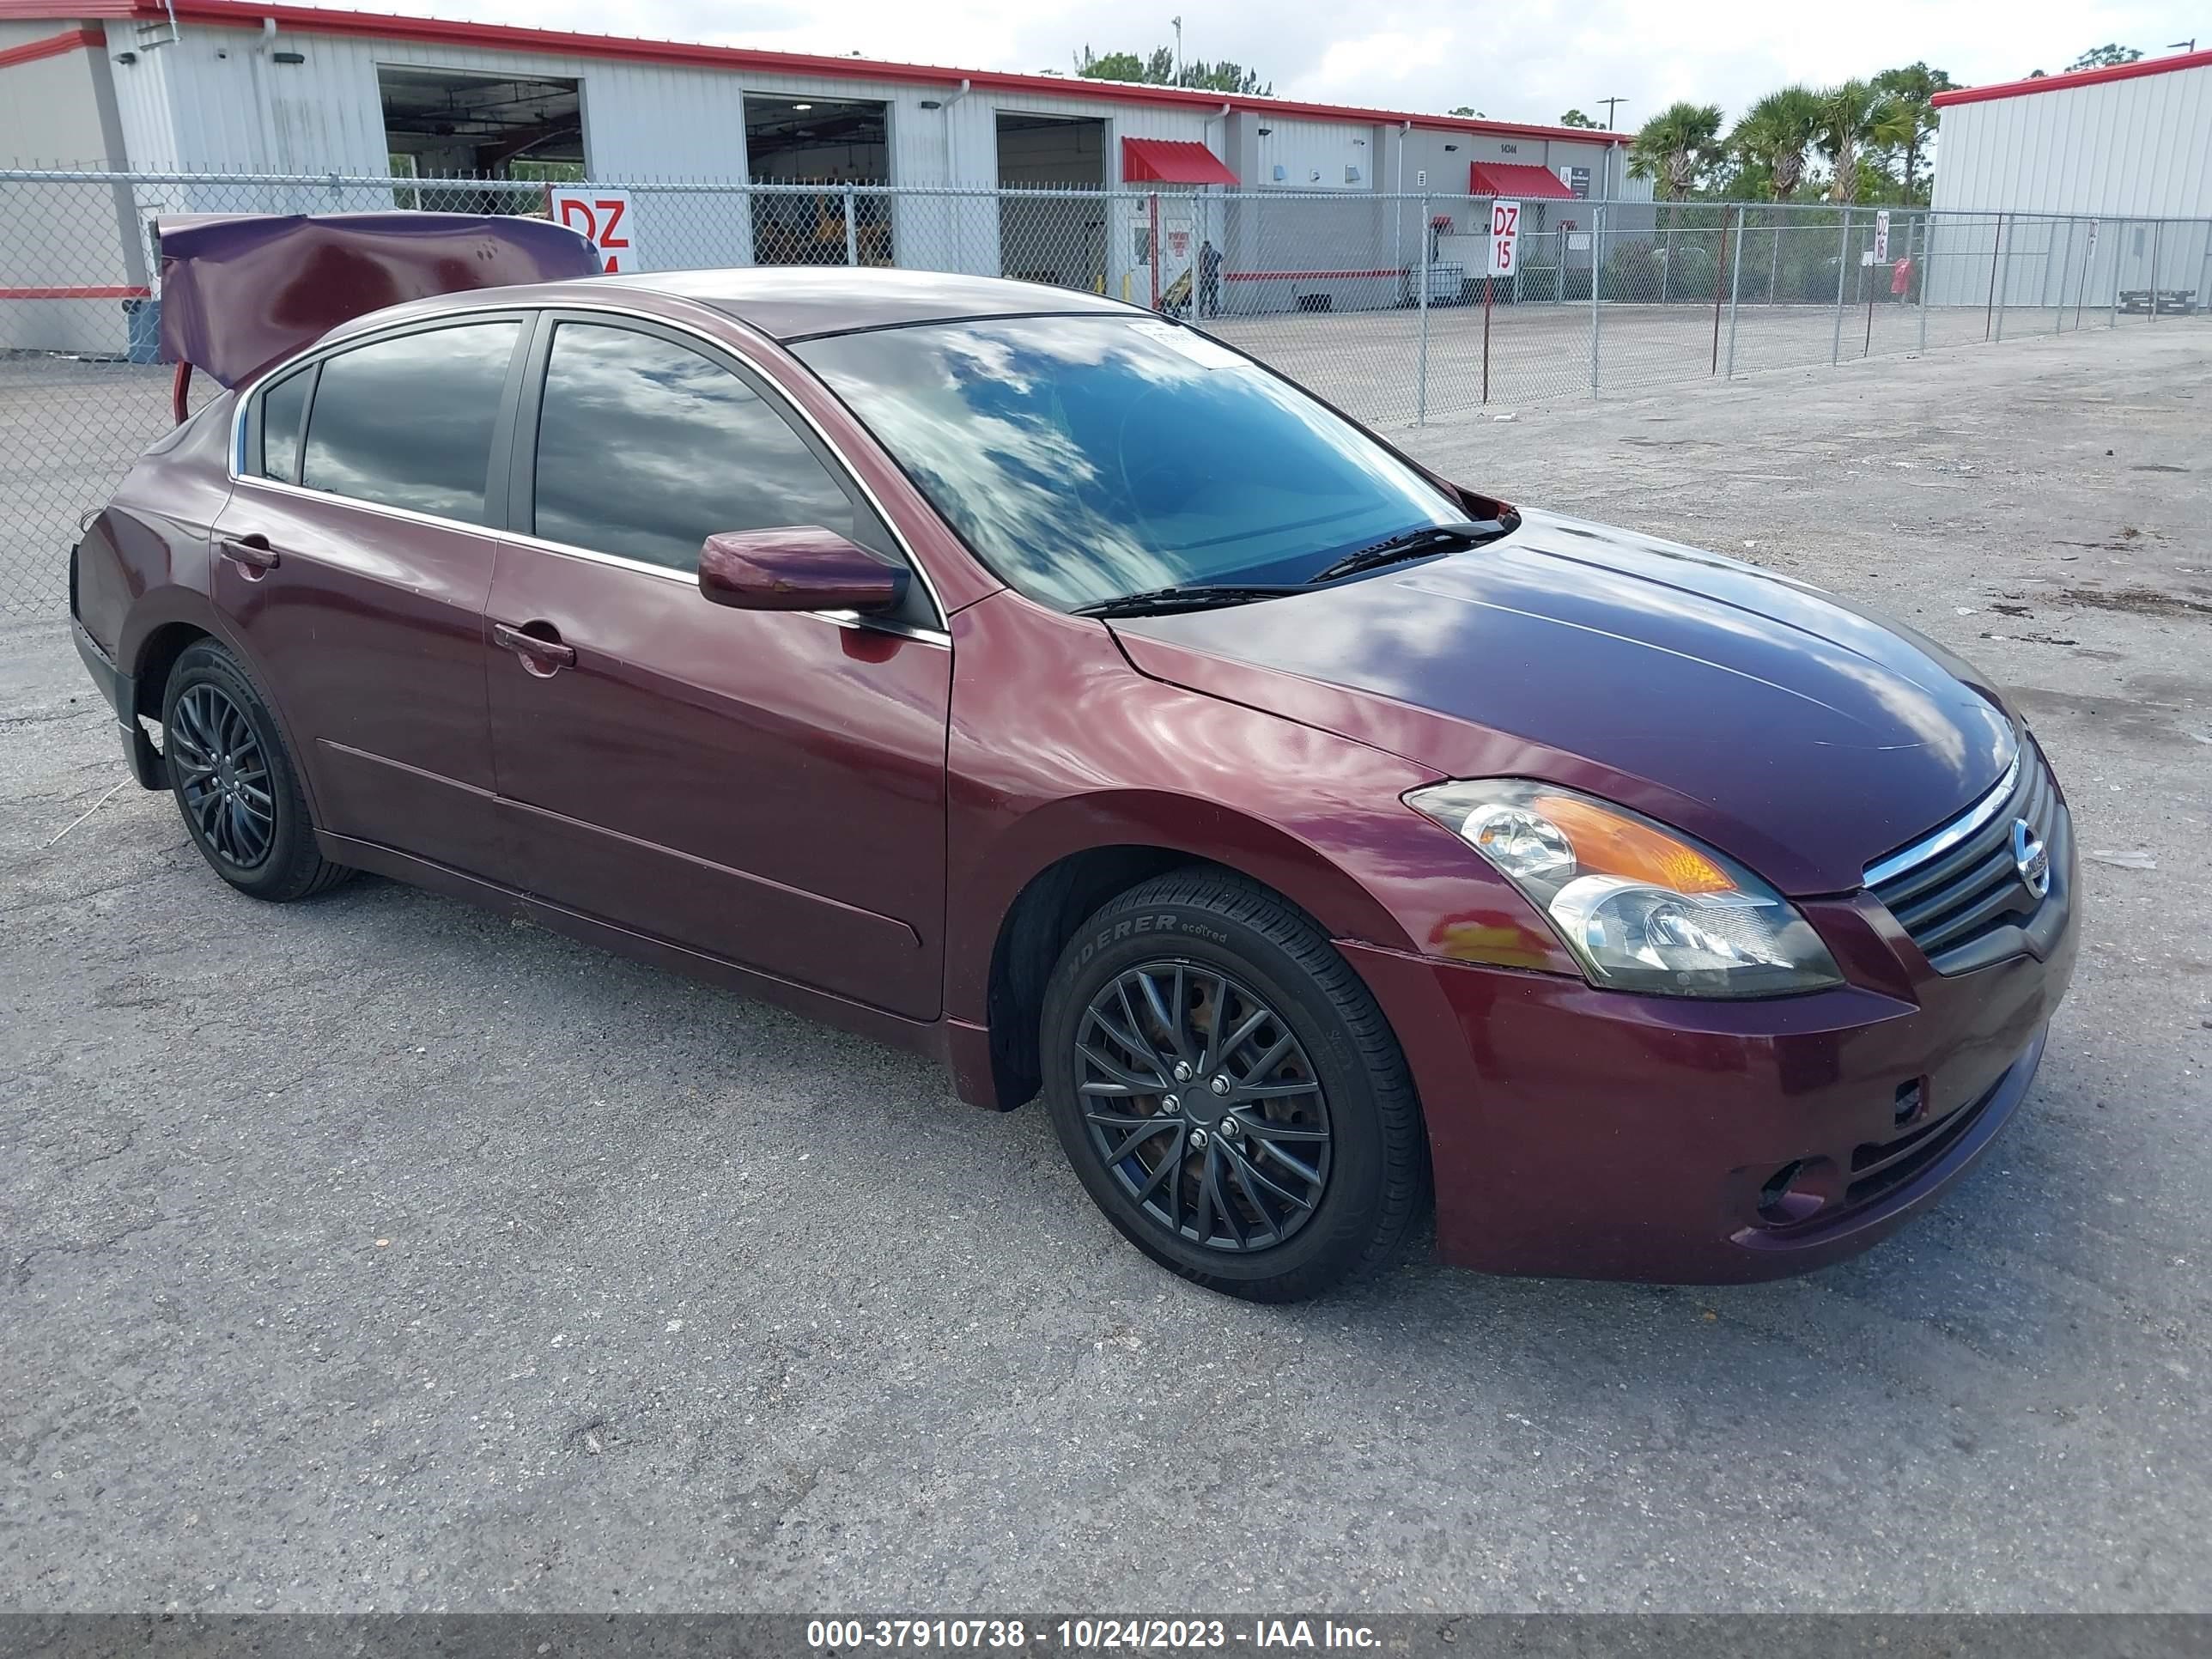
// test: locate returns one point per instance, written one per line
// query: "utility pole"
(1605, 186)
(1177, 22)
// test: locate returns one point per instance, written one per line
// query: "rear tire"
(1229, 1093)
(236, 782)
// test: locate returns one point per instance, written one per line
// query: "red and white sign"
(1882, 237)
(603, 216)
(1504, 239)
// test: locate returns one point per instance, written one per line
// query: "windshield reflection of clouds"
(1085, 457)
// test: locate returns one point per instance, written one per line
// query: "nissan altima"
(1036, 682)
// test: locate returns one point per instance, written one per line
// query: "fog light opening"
(1789, 1194)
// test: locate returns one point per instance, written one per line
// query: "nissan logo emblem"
(2030, 858)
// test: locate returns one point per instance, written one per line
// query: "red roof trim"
(53, 46)
(2087, 77)
(1515, 178)
(1171, 162)
(316, 20)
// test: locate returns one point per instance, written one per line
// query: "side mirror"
(801, 568)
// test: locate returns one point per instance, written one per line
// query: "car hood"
(1780, 723)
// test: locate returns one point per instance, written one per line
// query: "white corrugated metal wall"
(2119, 151)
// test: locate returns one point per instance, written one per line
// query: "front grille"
(1954, 887)
(1881, 1166)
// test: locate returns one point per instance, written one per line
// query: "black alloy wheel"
(1203, 1105)
(235, 782)
(1228, 1092)
(222, 776)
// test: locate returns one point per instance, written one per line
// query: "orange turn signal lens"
(1614, 845)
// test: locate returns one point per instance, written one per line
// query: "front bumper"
(1592, 1134)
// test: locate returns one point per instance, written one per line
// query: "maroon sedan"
(1029, 680)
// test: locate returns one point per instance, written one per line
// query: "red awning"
(1515, 182)
(1171, 162)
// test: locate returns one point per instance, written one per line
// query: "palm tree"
(1774, 134)
(1854, 117)
(1674, 147)
(1914, 87)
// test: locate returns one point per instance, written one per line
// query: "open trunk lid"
(240, 290)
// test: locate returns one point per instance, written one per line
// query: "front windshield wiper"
(1200, 596)
(1413, 544)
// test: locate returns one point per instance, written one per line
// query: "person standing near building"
(1209, 279)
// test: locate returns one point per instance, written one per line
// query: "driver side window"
(646, 447)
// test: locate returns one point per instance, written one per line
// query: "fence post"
(1990, 306)
(1843, 263)
(2059, 324)
(852, 239)
(1927, 224)
(1421, 393)
(1736, 286)
(1713, 367)
(1597, 276)
(2119, 237)
(2155, 225)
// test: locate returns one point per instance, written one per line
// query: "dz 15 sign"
(601, 217)
(1504, 238)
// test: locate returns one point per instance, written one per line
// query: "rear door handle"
(253, 552)
(540, 656)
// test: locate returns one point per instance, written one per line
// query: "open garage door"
(826, 142)
(1058, 238)
(460, 124)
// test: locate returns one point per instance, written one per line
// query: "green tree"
(1772, 140)
(1676, 148)
(1575, 118)
(1157, 69)
(1465, 109)
(1914, 88)
(1855, 117)
(2104, 57)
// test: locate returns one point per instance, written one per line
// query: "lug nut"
(1182, 1071)
(1219, 1086)
(1169, 1105)
(1198, 1140)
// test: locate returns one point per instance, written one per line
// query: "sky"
(1530, 60)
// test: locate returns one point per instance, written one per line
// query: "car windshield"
(1086, 458)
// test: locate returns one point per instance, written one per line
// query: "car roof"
(792, 302)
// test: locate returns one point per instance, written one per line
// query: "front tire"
(1229, 1093)
(236, 782)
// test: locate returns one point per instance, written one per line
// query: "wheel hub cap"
(1238, 1166)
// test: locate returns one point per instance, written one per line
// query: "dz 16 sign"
(1504, 238)
(601, 217)
(1882, 237)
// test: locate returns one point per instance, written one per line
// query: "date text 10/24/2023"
(1087, 1635)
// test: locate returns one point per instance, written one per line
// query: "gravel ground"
(376, 1253)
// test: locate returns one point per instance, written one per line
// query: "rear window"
(408, 422)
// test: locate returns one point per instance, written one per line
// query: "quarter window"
(646, 449)
(281, 408)
(408, 422)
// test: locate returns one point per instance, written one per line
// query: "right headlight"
(1644, 908)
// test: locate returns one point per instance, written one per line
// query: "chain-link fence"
(1379, 303)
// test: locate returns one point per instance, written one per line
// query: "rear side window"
(284, 406)
(408, 422)
(646, 449)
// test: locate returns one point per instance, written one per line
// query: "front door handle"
(251, 552)
(541, 656)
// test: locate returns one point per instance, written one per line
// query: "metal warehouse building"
(2123, 147)
(223, 86)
